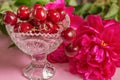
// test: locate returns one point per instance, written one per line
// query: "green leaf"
(95, 9)
(23, 2)
(30, 3)
(11, 45)
(5, 7)
(13, 6)
(3, 29)
(82, 9)
(42, 2)
(52, 0)
(114, 1)
(112, 11)
(117, 17)
(72, 2)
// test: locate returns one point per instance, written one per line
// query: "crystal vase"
(38, 46)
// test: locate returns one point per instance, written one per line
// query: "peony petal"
(108, 23)
(115, 58)
(96, 56)
(58, 56)
(76, 21)
(95, 22)
(56, 4)
(111, 36)
(109, 70)
(60, 1)
(84, 29)
(69, 10)
(85, 40)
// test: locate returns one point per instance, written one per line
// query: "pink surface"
(12, 61)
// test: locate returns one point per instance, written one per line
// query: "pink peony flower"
(98, 55)
(111, 36)
(92, 61)
(99, 49)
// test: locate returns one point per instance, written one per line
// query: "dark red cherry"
(10, 18)
(40, 14)
(47, 27)
(25, 27)
(34, 22)
(54, 16)
(71, 50)
(16, 28)
(62, 13)
(69, 34)
(55, 28)
(37, 6)
(23, 12)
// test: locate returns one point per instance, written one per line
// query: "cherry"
(62, 13)
(54, 16)
(23, 12)
(69, 34)
(47, 27)
(50, 27)
(71, 50)
(25, 27)
(10, 18)
(34, 22)
(37, 6)
(40, 13)
(55, 28)
(16, 28)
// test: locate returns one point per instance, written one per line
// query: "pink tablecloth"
(12, 61)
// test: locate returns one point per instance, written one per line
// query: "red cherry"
(40, 14)
(23, 12)
(10, 18)
(34, 22)
(25, 27)
(69, 34)
(16, 28)
(37, 6)
(71, 50)
(62, 13)
(54, 16)
(55, 28)
(47, 27)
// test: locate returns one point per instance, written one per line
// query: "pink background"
(12, 61)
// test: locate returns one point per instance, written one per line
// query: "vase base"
(39, 71)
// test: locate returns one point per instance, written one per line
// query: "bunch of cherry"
(39, 20)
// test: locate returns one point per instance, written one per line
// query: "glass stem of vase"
(39, 59)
